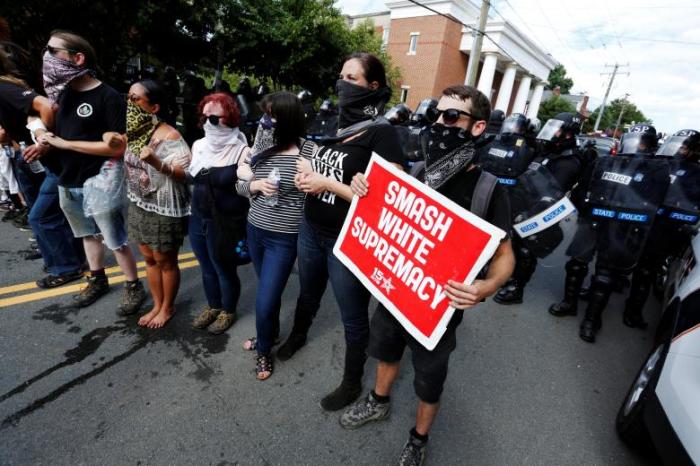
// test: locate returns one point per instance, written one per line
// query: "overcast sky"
(660, 39)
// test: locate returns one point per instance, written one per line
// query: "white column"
(487, 71)
(535, 101)
(506, 89)
(521, 96)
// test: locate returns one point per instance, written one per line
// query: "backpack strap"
(481, 199)
(417, 169)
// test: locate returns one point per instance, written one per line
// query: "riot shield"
(682, 201)
(538, 204)
(624, 196)
(507, 158)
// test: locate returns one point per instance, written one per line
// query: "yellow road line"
(108, 271)
(72, 289)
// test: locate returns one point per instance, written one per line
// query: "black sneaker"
(97, 287)
(363, 411)
(132, 299)
(10, 215)
(21, 221)
(413, 453)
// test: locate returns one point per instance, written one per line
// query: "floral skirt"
(158, 232)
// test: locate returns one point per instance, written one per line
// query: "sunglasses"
(53, 50)
(450, 116)
(213, 119)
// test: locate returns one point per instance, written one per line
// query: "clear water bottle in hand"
(273, 178)
(35, 166)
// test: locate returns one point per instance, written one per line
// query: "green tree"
(611, 114)
(552, 106)
(557, 77)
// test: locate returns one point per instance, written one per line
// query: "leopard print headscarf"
(140, 126)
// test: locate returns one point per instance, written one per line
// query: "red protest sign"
(404, 241)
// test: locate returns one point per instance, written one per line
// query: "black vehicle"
(603, 145)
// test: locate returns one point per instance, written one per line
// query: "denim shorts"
(110, 225)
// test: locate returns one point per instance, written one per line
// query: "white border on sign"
(496, 235)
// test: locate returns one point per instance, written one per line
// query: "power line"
(534, 36)
(555, 33)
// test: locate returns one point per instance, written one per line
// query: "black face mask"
(357, 103)
(442, 140)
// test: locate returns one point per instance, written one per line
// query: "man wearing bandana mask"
(90, 124)
(450, 170)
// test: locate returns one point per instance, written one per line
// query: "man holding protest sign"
(449, 170)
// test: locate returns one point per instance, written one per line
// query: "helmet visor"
(630, 143)
(513, 126)
(671, 146)
(551, 130)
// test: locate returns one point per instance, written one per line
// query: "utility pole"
(615, 67)
(619, 118)
(475, 54)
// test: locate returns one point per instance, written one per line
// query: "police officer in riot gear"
(325, 124)
(398, 115)
(509, 155)
(493, 128)
(562, 159)
(672, 228)
(622, 200)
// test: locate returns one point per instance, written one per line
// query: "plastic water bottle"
(35, 166)
(273, 178)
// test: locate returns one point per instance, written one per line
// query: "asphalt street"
(84, 387)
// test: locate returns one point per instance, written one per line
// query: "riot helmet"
(559, 132)
(495, 122)
(673, 144)
(305, 96)
(327, 106)
(398, 114)
(639, 140)
(534, 126)
(516, 124)
(690, 149)
(425, 113)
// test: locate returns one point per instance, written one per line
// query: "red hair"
(231, 116)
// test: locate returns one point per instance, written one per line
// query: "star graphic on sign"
(387, 285)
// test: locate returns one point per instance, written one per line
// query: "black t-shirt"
(460, 189)
(326, 212)
(85, 116)
(15, 105)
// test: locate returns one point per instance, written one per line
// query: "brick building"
(432, 52)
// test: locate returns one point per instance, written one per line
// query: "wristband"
(35, 125)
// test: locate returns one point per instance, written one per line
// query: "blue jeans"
(222, 286)
(317, 264)
(62, 252)
(273, 256)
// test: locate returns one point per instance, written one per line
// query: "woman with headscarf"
(215, 159)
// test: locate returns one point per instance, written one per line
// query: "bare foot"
(162, 318)
(146, 318)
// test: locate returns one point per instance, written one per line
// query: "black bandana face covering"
(450, 150)
(444, 139)
(357, 103)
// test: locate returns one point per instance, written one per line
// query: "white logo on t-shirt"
(26, 93)
(84, 110)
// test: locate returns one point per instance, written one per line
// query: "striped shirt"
(284, 217)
